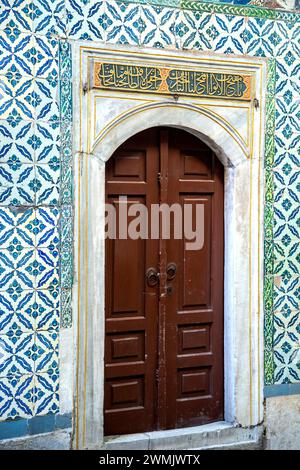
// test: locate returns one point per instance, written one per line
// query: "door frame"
(243, 222)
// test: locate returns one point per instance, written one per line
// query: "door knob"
(152, 277)
(171, 271)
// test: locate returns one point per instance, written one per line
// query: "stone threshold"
(219, 435)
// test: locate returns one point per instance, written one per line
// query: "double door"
(164, 302)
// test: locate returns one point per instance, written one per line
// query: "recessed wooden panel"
(128, 268)
(126, 347)
(196, 285)
(125, 393)
(129, 166)
(194, 382)
(193, 339)
(197, 164)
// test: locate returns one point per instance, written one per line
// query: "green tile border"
(268, 224)
(224, 8)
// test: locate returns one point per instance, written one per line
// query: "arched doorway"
(164, 303)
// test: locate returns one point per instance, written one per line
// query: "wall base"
(282, 422)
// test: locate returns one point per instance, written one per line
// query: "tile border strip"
(268, 224)
(281, 390)
(224, 8)
(66, 184)
(33, 426)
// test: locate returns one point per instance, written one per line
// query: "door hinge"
(159, 177)
(157, 375)
(256, 103)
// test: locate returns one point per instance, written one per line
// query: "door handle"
(152, 277)
(171, 271)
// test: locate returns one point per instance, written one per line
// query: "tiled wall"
(36, 170)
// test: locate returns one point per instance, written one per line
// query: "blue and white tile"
(14, 233)
(86, 20)
(46, 393)
(287, 364)
(17, 144)
(46, 311)
(122, 23)
(193, 31)
(16, 353)
(286, 294)
(50, 17)
(17, 14)
(17, 271)
(19, 54)
(47, 53)
(46, 101)
(47, 149)
(157, 26)
(287, 73)
(46, 350)
(289, 34)
(260, 37)
(19, 96)
(227, 34)
(47, 227)
(47, 185)
(18, 187)
(16, 397)
(46, 268)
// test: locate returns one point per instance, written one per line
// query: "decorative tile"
(228, 34)
(17, 359)
(19, 53)
(86, 21)
(66, 308)
(16, 397)
(17, 143)
(17, 16)
(122, 23)
(46, 268)
(47, 64)
(50, 17)
(46, 351)
(18, 187)
(260, 37)
(46, 393)
(157, 26)
(194, 31)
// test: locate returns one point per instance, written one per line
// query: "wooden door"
(164, 303)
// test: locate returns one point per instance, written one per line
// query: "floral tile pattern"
(36, 190)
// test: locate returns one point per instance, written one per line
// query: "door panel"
(131, 305)
(164, 343)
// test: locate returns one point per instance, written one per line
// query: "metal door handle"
(152, 277)
(171, 271)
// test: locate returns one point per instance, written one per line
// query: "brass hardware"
(152, 277)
